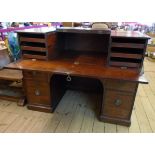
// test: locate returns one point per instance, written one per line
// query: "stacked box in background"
(151, 46)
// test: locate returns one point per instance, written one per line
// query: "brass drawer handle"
(124, 67)
(118, 102)
(37, 92)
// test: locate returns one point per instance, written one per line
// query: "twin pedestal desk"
(102, 61)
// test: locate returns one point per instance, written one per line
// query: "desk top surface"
(87, 70)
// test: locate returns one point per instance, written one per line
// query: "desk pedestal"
(118, 101)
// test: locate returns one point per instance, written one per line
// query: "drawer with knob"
(117, 104)
(37, 93)
(121, 85)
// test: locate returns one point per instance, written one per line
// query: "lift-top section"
(123, 50)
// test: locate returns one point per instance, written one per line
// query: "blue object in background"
(14, 46)
(57, 24)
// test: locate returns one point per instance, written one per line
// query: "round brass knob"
(118, 102)
(37, 92)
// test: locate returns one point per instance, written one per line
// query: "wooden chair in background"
(99, 26)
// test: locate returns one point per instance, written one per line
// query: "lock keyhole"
(68, 78)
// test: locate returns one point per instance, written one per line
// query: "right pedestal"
(118, 101)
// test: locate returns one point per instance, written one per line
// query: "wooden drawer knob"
(118, 102)
(37, 92)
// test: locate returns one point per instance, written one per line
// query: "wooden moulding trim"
(120, 121)
(35, 40)
(40, 108)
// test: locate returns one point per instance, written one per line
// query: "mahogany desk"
(45, 81)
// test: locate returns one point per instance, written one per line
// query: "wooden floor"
(77, 113)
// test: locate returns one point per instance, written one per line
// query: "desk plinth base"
(40, 108)
(115, 120)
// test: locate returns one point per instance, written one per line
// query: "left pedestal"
(37, 89)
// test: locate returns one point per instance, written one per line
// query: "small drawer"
(32, 85)
(120, 85)
(35, 75)
(37, 93)
(117, 104)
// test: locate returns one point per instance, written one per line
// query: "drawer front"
(117, 104)
(37, 93)
(120, 85)
(35, 75)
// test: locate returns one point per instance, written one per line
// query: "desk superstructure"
(102, 61)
